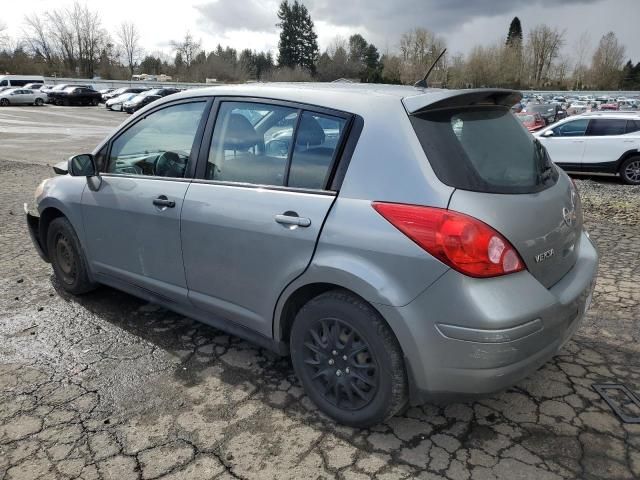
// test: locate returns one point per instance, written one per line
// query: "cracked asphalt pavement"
(105, 386)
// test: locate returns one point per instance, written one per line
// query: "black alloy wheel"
(348, 359)
(341, 364)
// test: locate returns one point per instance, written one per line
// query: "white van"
(19, 80)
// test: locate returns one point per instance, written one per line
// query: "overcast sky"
(252, 23)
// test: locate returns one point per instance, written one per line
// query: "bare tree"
(544, 45)
(418, 50)
(606, 65)
(130, 43)
(187, 49)
(4, 37)
(582, 50)
(38, 37)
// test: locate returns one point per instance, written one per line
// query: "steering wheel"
(170, 164)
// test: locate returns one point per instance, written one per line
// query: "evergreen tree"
(514, 37)
(298, 45)
(374, 65)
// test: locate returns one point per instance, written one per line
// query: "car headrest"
(240, 134)
(310, 132)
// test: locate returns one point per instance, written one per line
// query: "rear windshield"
(483, 149)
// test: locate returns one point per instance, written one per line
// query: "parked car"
(596, 143)
(548, 111)
(577, 107)
(120, 91)
(104, 92)
(19, 80)
(406, 260)
(21, 96)
(34, 86)
(609, 106)
(75, 96)
(117, 103)
(145, 98)
(53, 91)
(532, 121)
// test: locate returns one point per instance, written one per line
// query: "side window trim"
(330, 179)
(190, 170)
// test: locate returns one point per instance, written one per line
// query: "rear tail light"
(460, 241)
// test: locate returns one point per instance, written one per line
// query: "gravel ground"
(105, 386)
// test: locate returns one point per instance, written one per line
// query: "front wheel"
(348, 360)
(67, 258)
(4, 102)
(95, 102)
(630, 171)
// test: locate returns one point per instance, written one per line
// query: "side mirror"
(82, 166)
(548, 133)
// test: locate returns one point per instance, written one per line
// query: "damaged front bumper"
(33, 225)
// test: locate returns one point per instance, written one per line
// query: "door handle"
(292, 220)
(163, 201)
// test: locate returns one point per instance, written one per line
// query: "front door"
(566, 146)
(132, 221)
(251, 222)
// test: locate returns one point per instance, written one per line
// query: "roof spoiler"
(461, 98)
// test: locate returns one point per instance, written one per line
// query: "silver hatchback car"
(401, 244)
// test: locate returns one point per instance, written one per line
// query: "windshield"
(483, 149)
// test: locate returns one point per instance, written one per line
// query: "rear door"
(251, 220)
(504, 177)
(605, 143)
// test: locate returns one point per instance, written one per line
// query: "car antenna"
(423, 83)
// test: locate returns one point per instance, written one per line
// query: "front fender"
(64, 193)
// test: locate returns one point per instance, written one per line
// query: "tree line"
(74, 42)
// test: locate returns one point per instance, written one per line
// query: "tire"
(4, 102)
(630, 171)
(58, 101)
(348, 360)
(39, 102)
(67, 257)
(95, 102)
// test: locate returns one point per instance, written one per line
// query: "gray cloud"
(440, 16)
(463, 23)
(224, 16)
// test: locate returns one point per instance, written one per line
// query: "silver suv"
(400, 244)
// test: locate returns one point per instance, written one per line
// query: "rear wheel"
(630, 171)
(4, 102)
(39, 102)
(348, 360)
(67, 258)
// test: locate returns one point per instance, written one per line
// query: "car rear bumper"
(467, 336)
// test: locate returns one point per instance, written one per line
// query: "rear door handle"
(292, 220)
(163, 201)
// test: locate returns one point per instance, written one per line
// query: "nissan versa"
(401, 244)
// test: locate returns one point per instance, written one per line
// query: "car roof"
(341, 96)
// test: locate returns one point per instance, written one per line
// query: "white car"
(116, 103)
(596, 143)
(21, 96)
(578, 107)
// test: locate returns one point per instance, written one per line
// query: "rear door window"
(275, 145)
(600, 127)
(316, 144)
(483, 149)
